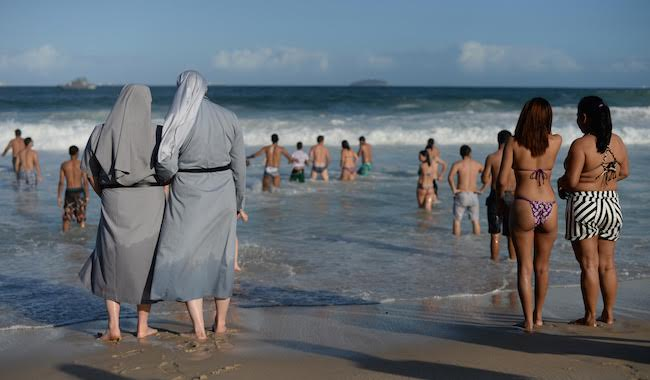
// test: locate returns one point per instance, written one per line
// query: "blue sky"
(411, 42)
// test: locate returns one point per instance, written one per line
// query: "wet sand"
(470, 337)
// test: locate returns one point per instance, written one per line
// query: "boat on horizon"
(80, 83)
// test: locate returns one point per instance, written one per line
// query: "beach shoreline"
(462, 337)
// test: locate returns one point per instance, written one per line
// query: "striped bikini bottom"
(593, 213)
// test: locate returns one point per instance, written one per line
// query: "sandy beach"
(471, 337)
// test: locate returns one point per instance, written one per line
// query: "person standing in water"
(319, 156)
(28, 166)
(118, 163)
(300, 159)
(465, 190)
(498, 209)
(202, 154)
(425, 192)
(434, 157)
(596, 162)
(365, 153)
(271, 178)
(348, 162)
(76, 190)
(533, 224)
(16, 145)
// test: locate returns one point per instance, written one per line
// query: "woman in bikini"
(348, 162)
(426, 175)
(594, 165)
(533, 216)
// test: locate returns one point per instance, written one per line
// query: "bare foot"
(527, 327)
(110, 336)
(198, 337)
(218, 329)
(149, 332)
(584, 322)
(606, 318)
(539, 323)
(237, 267)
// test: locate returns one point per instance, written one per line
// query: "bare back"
(72, 173)
(492, 169)
(319, 155)
(27, 160)
(597, 171)
(17, 144)
(365, 153)
(348, 158)
(533, 174)
(273, 153)
(467, 171)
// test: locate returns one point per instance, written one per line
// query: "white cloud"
(379, 61)
(41, 59)
(478, 57)
(269, 58)
(631, 65)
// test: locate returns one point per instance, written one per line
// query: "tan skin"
(70, 176)
(348, 165)
(27, 160)
(426, 196)
(16, 145)
(365, 152)
(533, 245)
(491, 175)
(244, 217)
(596, 256)
(320, 156)
(466, 172)
(273, 154)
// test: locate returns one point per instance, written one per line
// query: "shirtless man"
(319, 155)
(434, 156)
(16, 145)
(465, 194)
(365, 153)
(271, 177)
(27, 165)
(76, 191)
(498, 210)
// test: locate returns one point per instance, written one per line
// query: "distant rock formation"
(369, 83)
(80, 83)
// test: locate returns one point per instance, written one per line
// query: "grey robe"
(196, 249)
(120, 267)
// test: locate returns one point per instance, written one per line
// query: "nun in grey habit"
(118, 162)
(202, 153)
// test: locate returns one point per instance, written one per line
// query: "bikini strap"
(539, 175)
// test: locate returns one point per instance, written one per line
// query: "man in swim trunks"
(76, 190)
(16, 145)
(434, 155)
(300, 159)
(498, 209)
(271, 178)
(319, 155)
(365, 153)
(27, 166)
(467, 171)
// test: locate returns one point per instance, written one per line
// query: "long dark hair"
(425, 153)
(599, 120)
(534, 125)
(345, 144)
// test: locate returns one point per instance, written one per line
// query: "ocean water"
(314, 243)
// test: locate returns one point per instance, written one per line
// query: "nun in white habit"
(118, 161)
(202, 154)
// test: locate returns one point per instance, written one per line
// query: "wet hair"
(534, 125)
(28, 141)
(345, 144)
(503, 136)
(73, 150)
(299, 145)
(18, 132)
(599, 120)
(274, 138)
(430, 143)
(425, 154)
(362, 139)
(320, 138)
(465, 150)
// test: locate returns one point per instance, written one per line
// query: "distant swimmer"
(425, 192)
(76, 190)
(348, 162)
(299, 160)
(434, 155)
(365, 153)
(467, 171)
(320, 158)
(28, 166)
(498, 209)
(16, 145)
(271, 177)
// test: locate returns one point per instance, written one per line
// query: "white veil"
(182, 113)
